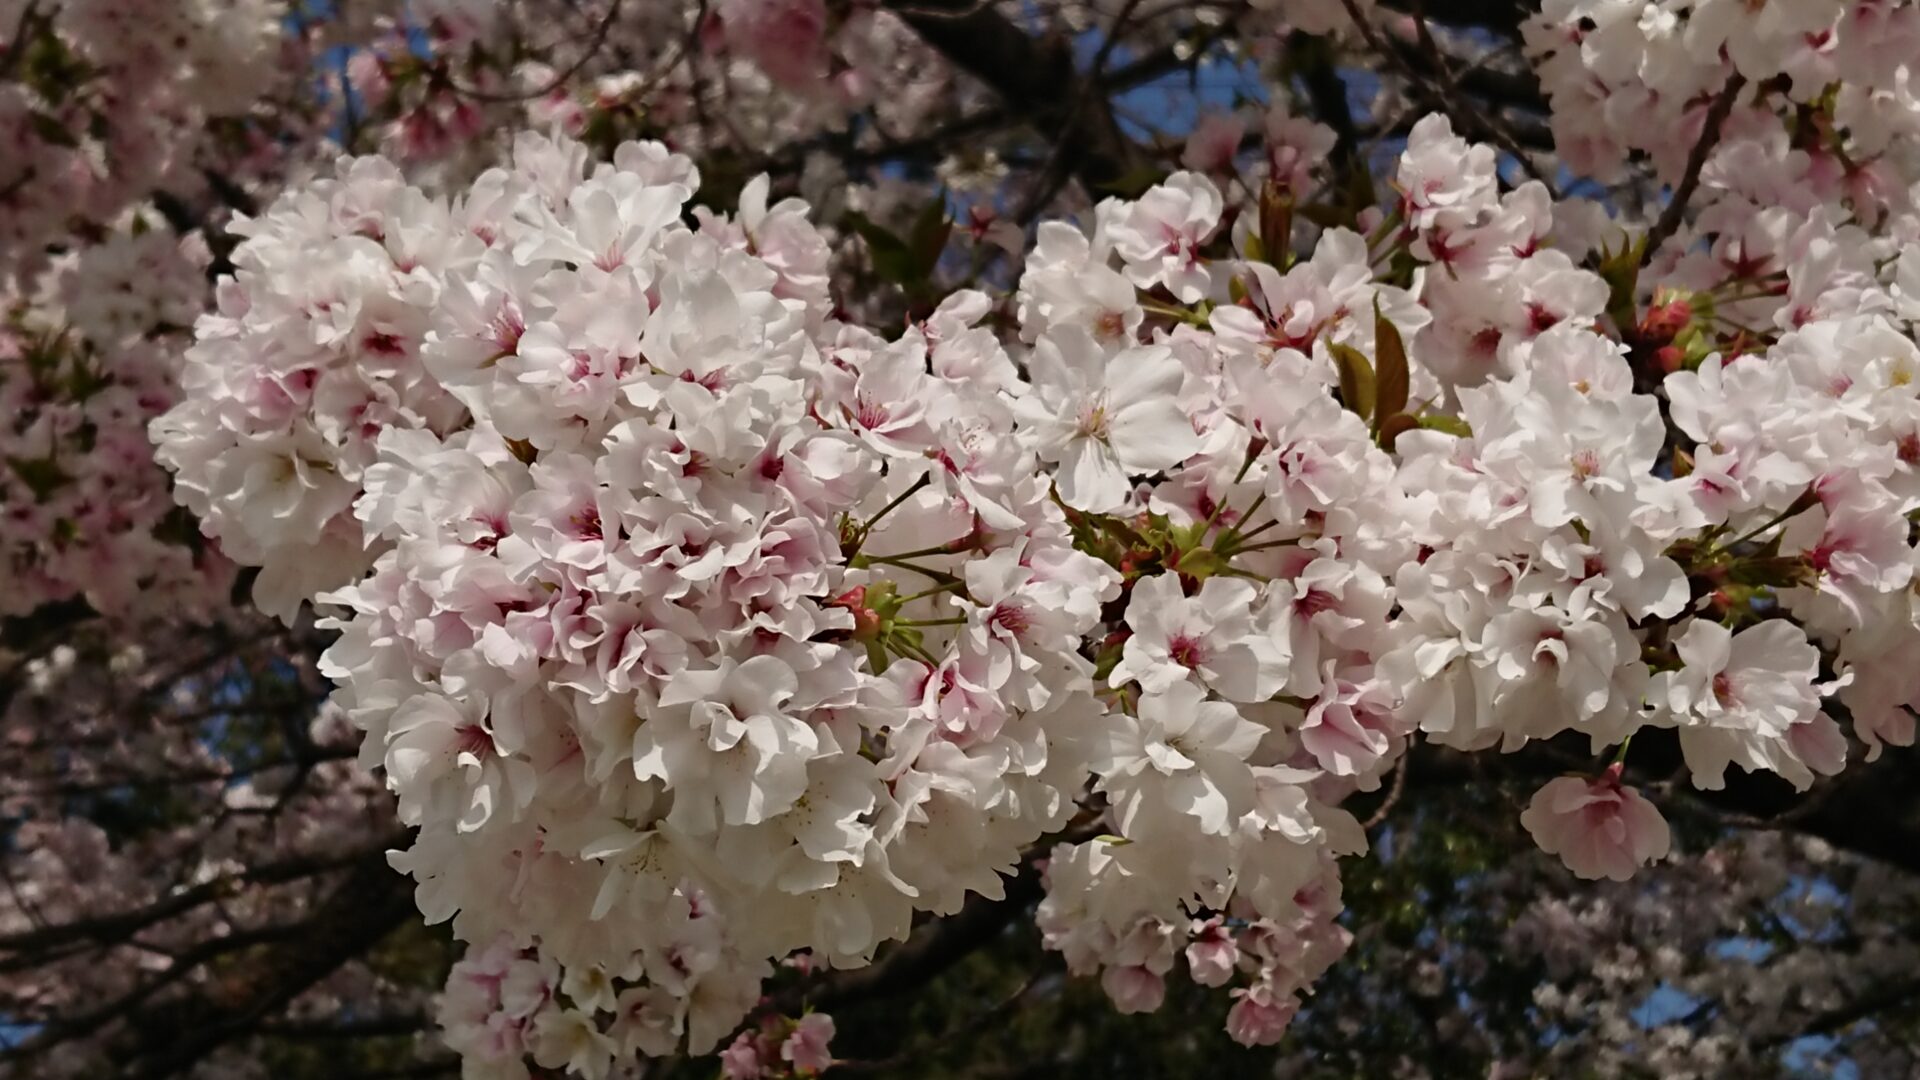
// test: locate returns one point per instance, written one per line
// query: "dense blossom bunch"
(1639, 75)
(292, 379)
(602, 71)
(700, 630)
(695, 627)
(613, 634)
(104, 101)
(87, 359)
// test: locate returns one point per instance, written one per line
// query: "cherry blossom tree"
(940, 536)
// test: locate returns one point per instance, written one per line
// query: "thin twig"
(1393, 793)
(1443, 95)
(555, 83)
(918, 12)
(17, 48)
(1669, 222)
(920, 1051)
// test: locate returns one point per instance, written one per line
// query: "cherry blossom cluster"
(311, 351)
(694, 625)
(643, 617)
(430, 81)
(87, 358)
(1545, 563)
(1822, 107)
(104, 101)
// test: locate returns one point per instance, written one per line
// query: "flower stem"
(860, 537)
(1232, 535)
(949, 586)
(937, 575)
(1800, 506)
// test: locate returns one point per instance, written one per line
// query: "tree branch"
(1034, 79)
(369, 904)
(1669, 222)
(1868, 810)
(1887, 997)
(169, 1036)
(116, 927)
(931, 950)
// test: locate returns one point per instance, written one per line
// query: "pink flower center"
(869, 413)
(1010, 617)
(1909, 448)
(1186, 651)
(475, 739)
(380, 343)
(585, 523)
(1314, 601)
(1540, 319)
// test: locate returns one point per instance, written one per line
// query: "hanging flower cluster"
(694, 627)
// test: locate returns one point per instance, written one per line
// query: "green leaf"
(43, 476)
(1122, 532)
(1392, 427)
(1621, 271)
(891, 257)
(1452, 425)
(1188, 537)
(51, 130)
(1133, 183)
(1390, 354)
(1356, 379)
(928, 238)
(1202, 563)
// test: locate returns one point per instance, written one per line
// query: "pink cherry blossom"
(1599, 828)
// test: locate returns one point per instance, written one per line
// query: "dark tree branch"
(1435, 83)
(597, 41)
(1717, 114)
(119, 926)
(1498, 89)
(931, 950)
(1904, 992)
(372, 1027)
(1034, 78)
(155, 1035)
(1327, 96)
(1172, 56)
(939, 944)
(1500, 16)
(170, 1037)
(1869, 810)
(27, 637)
